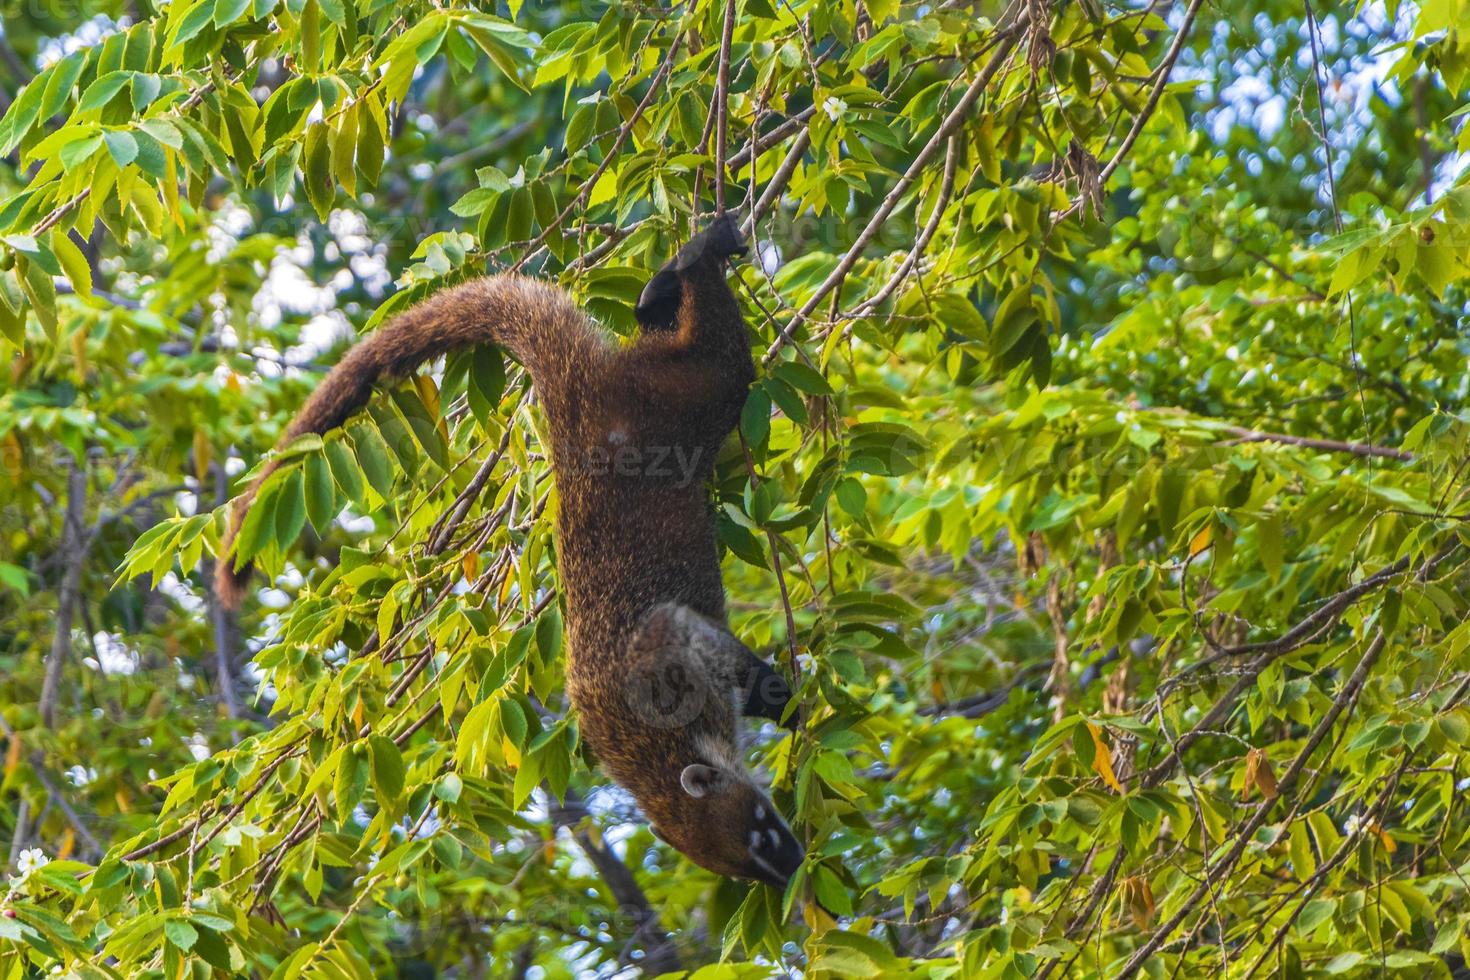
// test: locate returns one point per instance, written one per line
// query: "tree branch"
(660, 954)
(220, 617)
(722, 105)
(1165, 69)
(777, 134)
(1005, 44)
(1326, 445)
(1347, 696)
(73, 556)
(612, 154)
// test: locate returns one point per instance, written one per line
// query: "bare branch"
(73, 553)
(1005, 44)
(660, 954)
(722, 105)
(1161, 79)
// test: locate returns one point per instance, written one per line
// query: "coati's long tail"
(535, 321)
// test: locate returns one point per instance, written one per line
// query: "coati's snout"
(725, 824)
(658, 306)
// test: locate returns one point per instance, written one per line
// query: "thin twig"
(778, 181)
(1161, 80)
(777, 135)
(1005, 44)
(722, 105)
(921, 244)
(1312, 36)
(612, 154)
(1246, 833)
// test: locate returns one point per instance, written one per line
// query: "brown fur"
(639, 567)
(536, 322)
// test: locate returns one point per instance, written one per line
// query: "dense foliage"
(1103, 488)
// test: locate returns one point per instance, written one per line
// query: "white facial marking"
(775, 839)
(617, 437)
(760, 812)
(755, 840)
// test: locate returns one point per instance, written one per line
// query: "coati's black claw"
(658, 306)
(720, 239)
(767, 694)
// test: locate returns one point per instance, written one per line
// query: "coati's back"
(635, 529)
(633, 435)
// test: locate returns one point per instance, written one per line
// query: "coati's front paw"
(766, 696)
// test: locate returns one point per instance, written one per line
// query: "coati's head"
(658, 306)
(723, 822)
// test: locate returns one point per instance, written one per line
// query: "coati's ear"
(653, 829)
(700, 780)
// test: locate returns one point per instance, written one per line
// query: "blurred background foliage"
(1103, 487)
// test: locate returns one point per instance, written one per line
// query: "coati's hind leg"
(684, 664)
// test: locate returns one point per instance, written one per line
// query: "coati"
(653, 670)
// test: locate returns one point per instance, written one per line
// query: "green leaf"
(257, 532)
(62, 82)
(290, 513)
(513, 723)
(228, 11)
(852, 497)
(196, 20)
(373, 458)
(151, 158)
(1013, 322)
(122, 146)
(344, 468)
(786, 396)
(101, 91)
(321, 496)
(318, 172)
(369, 144)
(830, 891)
(16, 578)
(180, 933)
(804, 379)
(387, 769)
(486, 382)
(335, 11)
(145, 90)
(474, 202)
(449, 787)
(755, 418)
(22, 114)
(78, 272)
(351, 779)
(77, 152)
